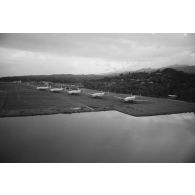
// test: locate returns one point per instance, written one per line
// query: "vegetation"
(58, 78)
(160, 83)
(156, 84)
(23, 100)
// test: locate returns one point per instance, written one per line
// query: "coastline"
(23, 113)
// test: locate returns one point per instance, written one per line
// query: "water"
(98, 137)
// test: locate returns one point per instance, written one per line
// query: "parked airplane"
(172, 96)
(131, 99)
(56, 90)
(97, 95)
(74, 92)
(127, 99)
(43, 88)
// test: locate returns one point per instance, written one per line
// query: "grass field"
(21, 100)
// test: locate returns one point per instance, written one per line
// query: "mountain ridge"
(184, 68)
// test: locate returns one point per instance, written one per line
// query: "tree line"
(160, 83)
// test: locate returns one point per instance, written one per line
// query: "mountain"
(155, 84)
(184, 68)
(52, 78)
(149, 70)
(78, 78)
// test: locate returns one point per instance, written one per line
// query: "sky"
(37, 54)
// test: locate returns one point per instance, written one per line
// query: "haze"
(35, 54)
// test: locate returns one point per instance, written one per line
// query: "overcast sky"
(27, 54)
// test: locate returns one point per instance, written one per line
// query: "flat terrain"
(21, 100)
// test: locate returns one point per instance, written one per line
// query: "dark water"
(98, 137)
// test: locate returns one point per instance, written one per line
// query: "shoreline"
(43, 113)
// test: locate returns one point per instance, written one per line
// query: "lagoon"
(98, 137)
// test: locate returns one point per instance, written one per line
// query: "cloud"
(92, 53)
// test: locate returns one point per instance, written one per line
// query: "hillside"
(160, 83)
(184, 68)
(62, 78)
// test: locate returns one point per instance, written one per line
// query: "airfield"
(21, 100)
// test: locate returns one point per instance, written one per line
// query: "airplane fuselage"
(129, 99)
(56, 90)
(96, 95)
(74, 92)
(42, 88)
